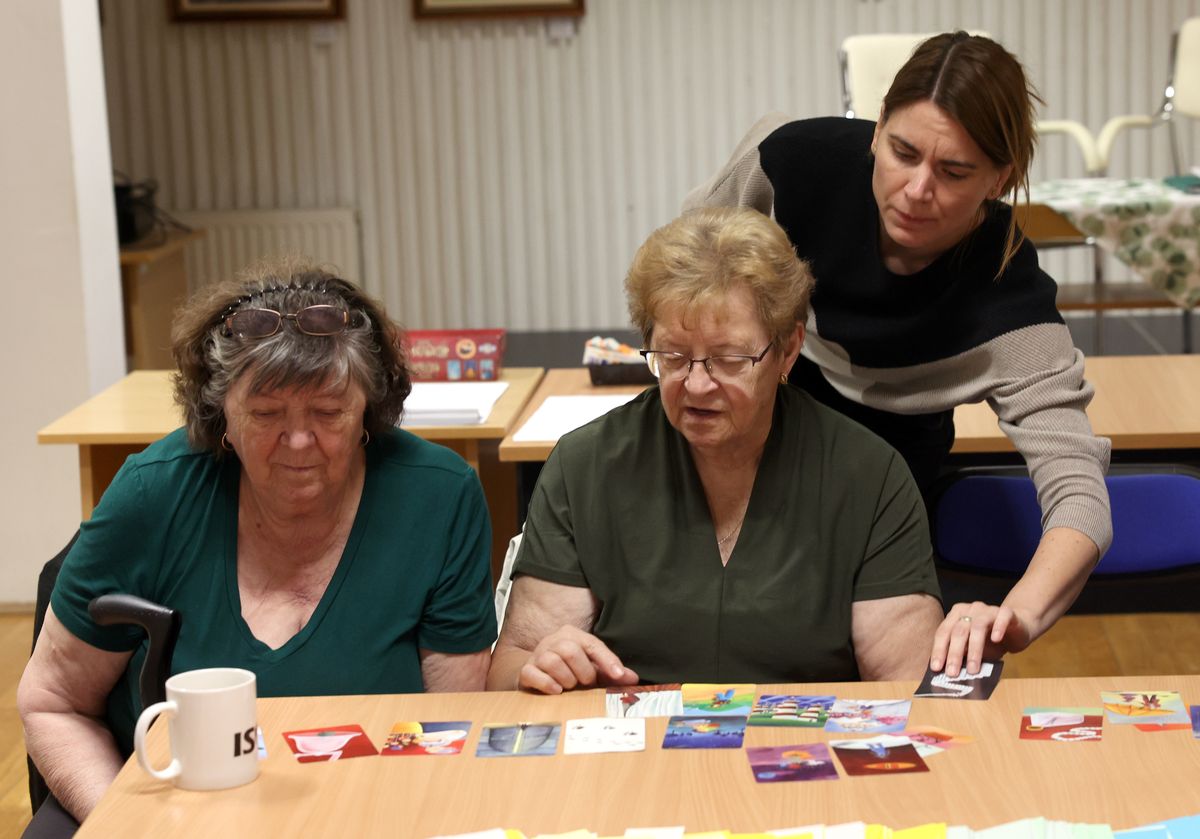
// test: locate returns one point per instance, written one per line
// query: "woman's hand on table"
(569, 658)
(974, 632)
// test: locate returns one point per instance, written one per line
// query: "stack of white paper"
(560, 414)
(451, 403)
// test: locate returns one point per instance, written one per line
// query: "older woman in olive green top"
(723, 526)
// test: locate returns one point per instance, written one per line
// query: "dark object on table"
(135, 208)
(620, 374)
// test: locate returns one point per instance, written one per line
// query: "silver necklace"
(729, 535)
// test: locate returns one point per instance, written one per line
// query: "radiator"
(238, 238)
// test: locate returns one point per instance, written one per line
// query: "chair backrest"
(504, 584)
(1186, 68)
(986, 524)
(868, 64)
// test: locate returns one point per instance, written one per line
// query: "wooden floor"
(1100, 645)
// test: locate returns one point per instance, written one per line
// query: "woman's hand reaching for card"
(571, 658)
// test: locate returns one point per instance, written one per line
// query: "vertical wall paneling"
(501, 176)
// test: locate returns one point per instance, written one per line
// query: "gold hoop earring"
(225, 443)
(366, 437)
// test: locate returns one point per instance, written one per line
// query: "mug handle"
(139, 740)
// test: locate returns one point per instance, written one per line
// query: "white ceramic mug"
(213, 725)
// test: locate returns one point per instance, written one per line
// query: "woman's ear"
(791, 348)
(999, 188)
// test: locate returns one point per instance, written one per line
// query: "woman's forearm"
(75, 754)
(1060, 567)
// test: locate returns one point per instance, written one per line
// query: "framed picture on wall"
(203, 10)
(496, 8)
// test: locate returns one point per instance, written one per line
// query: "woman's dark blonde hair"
(210, 359)
(984, 88)
(701, 257)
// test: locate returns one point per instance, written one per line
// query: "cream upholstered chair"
(870, 62)
(1182, 95)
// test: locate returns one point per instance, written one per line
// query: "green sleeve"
(113, 555)
(899, 557)
(548, 548)
(460, 616)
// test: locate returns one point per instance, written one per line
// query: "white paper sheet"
(451, 403)
(560, 414)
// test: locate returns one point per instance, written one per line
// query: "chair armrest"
(1108, 134)
(1093, 160)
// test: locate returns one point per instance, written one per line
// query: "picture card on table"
(712, 732)
(794, 711)
(335, 742)
(718, 700)
(878, 756)
(868, 716)
(938, 685)
(1161, 707)
(522, 739)
(1196, 721)
(1065, 725)
(809, 762)
(643, 701)
(930, 740)
(426, 738)
(594, 735)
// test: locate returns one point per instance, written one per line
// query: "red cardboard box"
(455, 355)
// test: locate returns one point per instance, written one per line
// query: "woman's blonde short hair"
(701, 257)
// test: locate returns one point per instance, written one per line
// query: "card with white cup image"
(212, 729)
(334, 742)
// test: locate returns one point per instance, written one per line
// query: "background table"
(154, 282)
(1128, 779)
(1143, 404)
(139, 409)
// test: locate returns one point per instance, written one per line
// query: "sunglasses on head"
(321, 319)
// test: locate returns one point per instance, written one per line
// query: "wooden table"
(153, 283)
(1128, 779)
(1142, 403)
(139, 409)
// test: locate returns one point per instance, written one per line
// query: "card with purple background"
(810, 762)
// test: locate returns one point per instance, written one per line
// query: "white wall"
(505, 178)
(62, 338)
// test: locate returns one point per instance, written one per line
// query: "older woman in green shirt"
(723, 526)
(299, 533)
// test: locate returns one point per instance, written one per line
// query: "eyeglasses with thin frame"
(320, 319)
(675, 365)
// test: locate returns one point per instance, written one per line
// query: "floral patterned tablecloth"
(1151, 227)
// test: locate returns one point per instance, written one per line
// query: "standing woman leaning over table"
(928, 296)
(299, 533)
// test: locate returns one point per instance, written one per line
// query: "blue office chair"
(986, 524)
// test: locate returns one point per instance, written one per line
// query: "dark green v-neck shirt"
(415, 574)
(834, 517)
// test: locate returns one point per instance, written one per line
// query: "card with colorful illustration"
(604, 734)
(521, 739)
(1195, 709)
(718, 700)
(711, 732)
(878, 756)
(868, 716)
(643, 701)
(931, 740)
(938, 685)
(809, 762)
(1161, 707)
(1065, 725)
(335, 742)
(426, 738)
(791, 710)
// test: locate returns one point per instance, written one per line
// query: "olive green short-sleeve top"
(834, 517)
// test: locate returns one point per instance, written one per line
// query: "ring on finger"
(965, 618)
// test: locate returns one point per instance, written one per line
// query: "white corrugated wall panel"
(502, 177)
